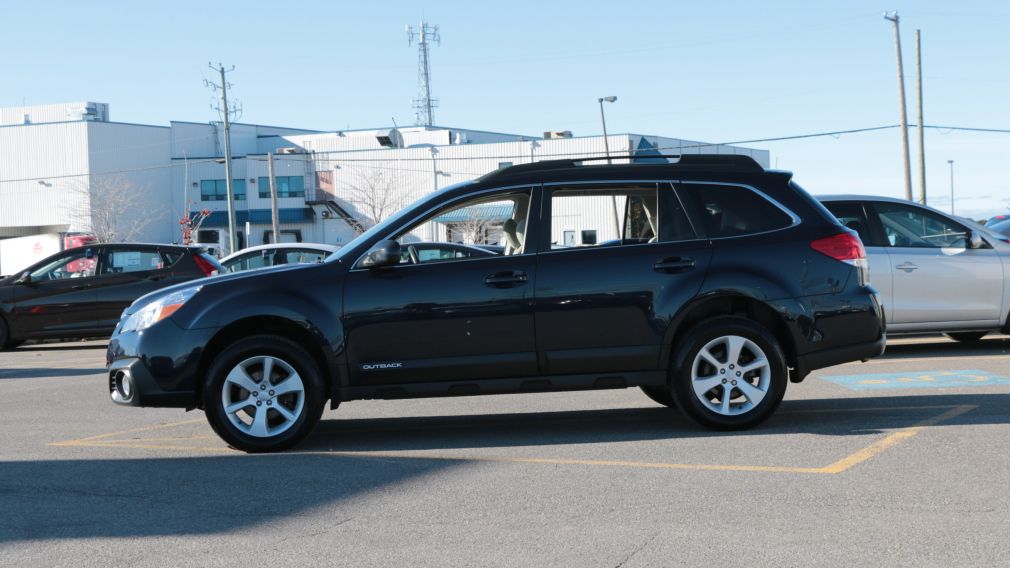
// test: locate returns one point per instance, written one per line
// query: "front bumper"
(161, 364)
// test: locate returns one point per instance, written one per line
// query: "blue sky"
(713, 71)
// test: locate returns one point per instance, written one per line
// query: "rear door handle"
(506, 279)
(157, 277)
(80, 287)
(674, 264)
(907, 266)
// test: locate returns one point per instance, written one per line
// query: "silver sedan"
(934, 272)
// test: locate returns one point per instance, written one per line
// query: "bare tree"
(112, 208)
(375, 194)
(475, 227)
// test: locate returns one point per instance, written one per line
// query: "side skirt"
(591, 381)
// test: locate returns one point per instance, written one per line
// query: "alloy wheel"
(730, 375)
(263, 396)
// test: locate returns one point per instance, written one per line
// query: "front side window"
(287, 186)
(732, 211)
(79, 264)
(498, 220)
(906, 226)
(217, 189)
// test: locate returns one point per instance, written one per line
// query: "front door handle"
(506, 279)
(907, 267)
(80, 286)
(157, 277)
(674, 264)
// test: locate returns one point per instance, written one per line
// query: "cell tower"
(424, 105)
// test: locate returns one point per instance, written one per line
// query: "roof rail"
(737, 162)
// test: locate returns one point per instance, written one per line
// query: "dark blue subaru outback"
(708, 282)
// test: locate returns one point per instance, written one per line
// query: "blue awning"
(258, 216)
(487, 213)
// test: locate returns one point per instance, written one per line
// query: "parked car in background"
(727, 282)
(81, 292)
(1002, 227)
(996, 219)
(276, 254)
(935, 272)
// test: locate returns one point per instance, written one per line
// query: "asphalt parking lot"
(899, 461)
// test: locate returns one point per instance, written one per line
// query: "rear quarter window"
(731, 211)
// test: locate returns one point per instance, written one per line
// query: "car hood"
(223, 279)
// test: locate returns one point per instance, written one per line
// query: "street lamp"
(606, 147)
(951, 162)
(603, 119)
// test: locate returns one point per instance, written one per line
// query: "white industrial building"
(68, 168)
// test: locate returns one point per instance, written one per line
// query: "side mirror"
(384, 253)
(975, 240)
(25, 278)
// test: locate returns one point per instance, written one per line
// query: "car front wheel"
(732, 374)
(263, 394)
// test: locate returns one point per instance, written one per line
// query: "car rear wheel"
(263, 394)
(660, 394)
(967, 336)
(731, 373)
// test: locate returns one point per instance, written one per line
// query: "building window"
(217, 189)
(287, 186)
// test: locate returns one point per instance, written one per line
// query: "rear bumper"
(836, 329)
(837, 356)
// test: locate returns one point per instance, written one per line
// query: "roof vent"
(554, 134)
(389, 138)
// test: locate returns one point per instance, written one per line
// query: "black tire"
(5, 338)
(738, 417)
(967, 336)
(660, 394)
(287, 352)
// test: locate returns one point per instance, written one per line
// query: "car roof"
(192, 248)
(281, 246)
(857, 197)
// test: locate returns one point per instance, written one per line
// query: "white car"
(276, 254)
(934, 272)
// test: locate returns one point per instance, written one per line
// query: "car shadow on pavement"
(943, 348)
(855, 416)
(47, 373)
(139, 497)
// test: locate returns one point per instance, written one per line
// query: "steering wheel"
(413, 255)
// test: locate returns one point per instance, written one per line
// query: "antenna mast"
(424, 105)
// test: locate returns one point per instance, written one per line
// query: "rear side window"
(124, 261)
(171, 257)
(730, 211)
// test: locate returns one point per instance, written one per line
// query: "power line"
(524, 155)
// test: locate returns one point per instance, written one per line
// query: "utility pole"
(951, 162)
(424, 105)
(276, 226)
(922, 139)
(225, 112)
(893, 18)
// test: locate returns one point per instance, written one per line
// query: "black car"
(82, 291)
(710, 283)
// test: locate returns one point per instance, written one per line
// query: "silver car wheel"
(730, 375)
(263, 396)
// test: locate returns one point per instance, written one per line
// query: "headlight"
(158, 310)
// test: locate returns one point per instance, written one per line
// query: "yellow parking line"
(880, 446)
(840, 466)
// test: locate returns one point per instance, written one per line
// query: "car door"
(603, 303)
(460, 318)
(853, 215)
(936, 278)
(126, 273)
(58, 298)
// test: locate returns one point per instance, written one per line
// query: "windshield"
(397, 218)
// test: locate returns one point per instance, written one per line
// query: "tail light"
(206, 265)
(845, 247)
